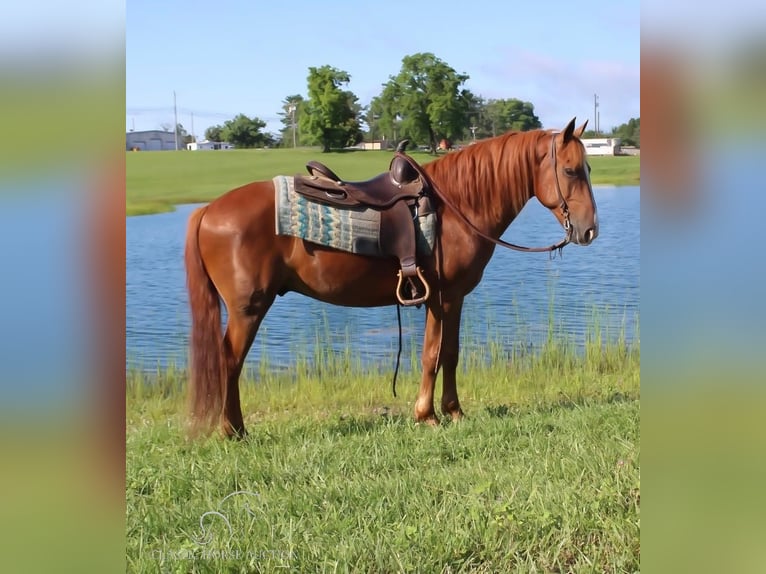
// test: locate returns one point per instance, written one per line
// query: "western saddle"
(400, 195)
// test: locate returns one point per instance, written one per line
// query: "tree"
(511, 114)
(213, 134)
(386, 121)
(183, 136)
(480, 126)
(292, 109)
(329, 116)
(629, 133)
(428, 97)
(245, 132)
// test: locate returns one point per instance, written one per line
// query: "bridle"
(563, 205)
(448, 202)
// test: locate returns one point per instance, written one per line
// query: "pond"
(520, 298)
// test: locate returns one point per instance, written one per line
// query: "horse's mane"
(491, 174)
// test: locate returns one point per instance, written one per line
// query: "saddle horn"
(402, 146)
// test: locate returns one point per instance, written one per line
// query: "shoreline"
(158, 181)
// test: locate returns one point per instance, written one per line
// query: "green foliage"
(495, 117)
(387, 121)
(329, 116)
(427, 98)
(425, 103)
(293, 107)
(183, 136)
(214, 134)
(629, 133)
(245, 132)
(370, 115)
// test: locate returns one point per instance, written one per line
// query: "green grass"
(615, 170)
(156, 181)
(542, 475)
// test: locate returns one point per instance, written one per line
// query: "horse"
(233, 256)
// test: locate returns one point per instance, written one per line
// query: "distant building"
(151, 140)
(207, 145)
(377, 144)
(602, 146)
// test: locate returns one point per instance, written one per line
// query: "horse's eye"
(569, 171)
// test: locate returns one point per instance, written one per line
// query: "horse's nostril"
(589, 235)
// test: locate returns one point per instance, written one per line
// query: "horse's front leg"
(450, 354)
(440, 349)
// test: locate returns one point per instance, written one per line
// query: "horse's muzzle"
(587, 237)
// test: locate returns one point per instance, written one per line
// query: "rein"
(448, 202)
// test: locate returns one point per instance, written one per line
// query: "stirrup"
(418, 300)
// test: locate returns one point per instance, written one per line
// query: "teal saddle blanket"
(352, 229)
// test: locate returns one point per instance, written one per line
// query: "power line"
(157, 110)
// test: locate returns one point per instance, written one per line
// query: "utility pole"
(175, 115)
(192, 127)
(371, 124)
(291, 109)
(595, 113)
(473, 132)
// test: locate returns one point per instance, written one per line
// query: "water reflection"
(521, 294)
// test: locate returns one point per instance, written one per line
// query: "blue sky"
(225, 58)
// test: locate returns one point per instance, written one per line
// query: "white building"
(602, 146)
(377, 144)
(151, 140)
(206, 145)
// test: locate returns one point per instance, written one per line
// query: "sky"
(226, 58)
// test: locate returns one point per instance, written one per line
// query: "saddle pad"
(352, 229)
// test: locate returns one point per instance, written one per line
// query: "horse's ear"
(569, 130)
(579, 131)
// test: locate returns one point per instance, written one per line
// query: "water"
(520, 295)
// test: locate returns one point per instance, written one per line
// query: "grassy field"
(542, 475)
(158, 180)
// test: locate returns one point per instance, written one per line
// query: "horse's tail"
(206, 361)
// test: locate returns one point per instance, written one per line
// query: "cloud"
(560, 88)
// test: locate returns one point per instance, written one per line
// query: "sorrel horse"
(233, 254)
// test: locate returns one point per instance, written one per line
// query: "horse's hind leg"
(240, 333)
(440, 350)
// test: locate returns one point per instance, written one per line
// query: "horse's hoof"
(234, 433)
(452, 409)
(457, 415)
(431, 421)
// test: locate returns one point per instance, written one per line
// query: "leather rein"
(440, 194)
(448, 202)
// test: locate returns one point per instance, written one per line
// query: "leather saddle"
(399, 194)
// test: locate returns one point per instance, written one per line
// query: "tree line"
(426, 102)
